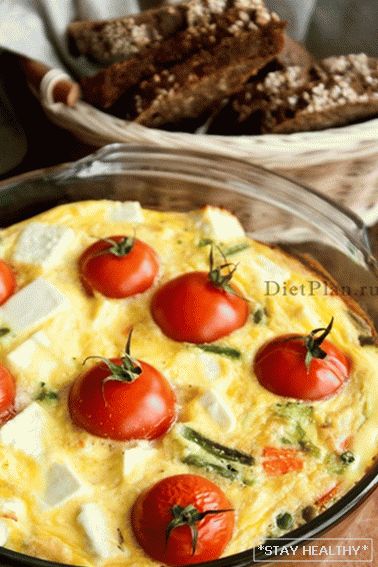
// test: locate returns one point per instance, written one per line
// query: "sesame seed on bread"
(336, 91)
(216, 39)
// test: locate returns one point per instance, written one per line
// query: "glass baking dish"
(271, 208)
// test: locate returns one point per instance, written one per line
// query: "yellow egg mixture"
(55, 473)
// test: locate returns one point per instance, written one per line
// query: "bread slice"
(191, 88)
(219, 35)
(346, 92)
(242, 114)
(107, 41)
(337, 91)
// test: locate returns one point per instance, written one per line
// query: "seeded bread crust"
(232, 117)
(108, 41)
(191, 88)
(206, 30)
(337, 91)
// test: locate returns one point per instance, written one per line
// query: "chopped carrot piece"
(346, 443)
(327, 496)
(281, 461)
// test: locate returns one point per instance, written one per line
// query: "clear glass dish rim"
(368, 483)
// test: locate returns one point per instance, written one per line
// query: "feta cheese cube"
(218, 410)
(129, 211)
(219, 224)
(94, 523)
(210, 366)
(33, 352)
(13, 507)
(43, 244)
(24, 432)
(61, 484)
(269, 270)
(22, 356)
(135, 459)
(32, 305)
(4, 532)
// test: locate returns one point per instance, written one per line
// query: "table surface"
(49, 145)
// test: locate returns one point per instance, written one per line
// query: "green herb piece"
(347, 457)
(221, 469)
(46, 394)
(227, 471)
(295, 410)
(299, 439)
(309, 447)
(236, 248)
(204, 242)
(285, 521)
(337, 464)
(309, 513)
(217, 449)
(223, 350)
(4, 331)
(259, 315)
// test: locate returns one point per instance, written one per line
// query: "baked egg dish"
(164, 399)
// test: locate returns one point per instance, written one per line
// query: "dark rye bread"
(189, 89)
(107, 41)
(215, 29)
(233, 116)
(336, 91)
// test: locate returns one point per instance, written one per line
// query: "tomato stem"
(121, 248)
(188, 516)
(129, 369)
(313, 343)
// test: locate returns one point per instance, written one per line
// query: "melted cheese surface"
(103, 471)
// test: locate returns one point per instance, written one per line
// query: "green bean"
(217, 449)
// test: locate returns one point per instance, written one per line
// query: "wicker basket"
(340, 162)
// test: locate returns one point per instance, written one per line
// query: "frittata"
(66, 493)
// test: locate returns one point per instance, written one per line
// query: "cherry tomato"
(292, 366)
(141, 409)
(118, 266)
(183, 519)
(191, 308)
(7, 393)
(7, 282)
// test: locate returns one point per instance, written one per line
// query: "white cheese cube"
(268, 270)
(4, 532)
(135, 458)
(24, 432)
(43, 244)
(94, 523)
(61, 484)
(211, 368)
(13, 507)
(22, 356)
(129, 211)
(219, 224)
(32, 305)
(218, 410)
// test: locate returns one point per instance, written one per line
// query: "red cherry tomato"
(191, 308)
(7, 282)
(155, 510)
(280, 366)
(7, 393)
(142, 409)
(127, 272)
